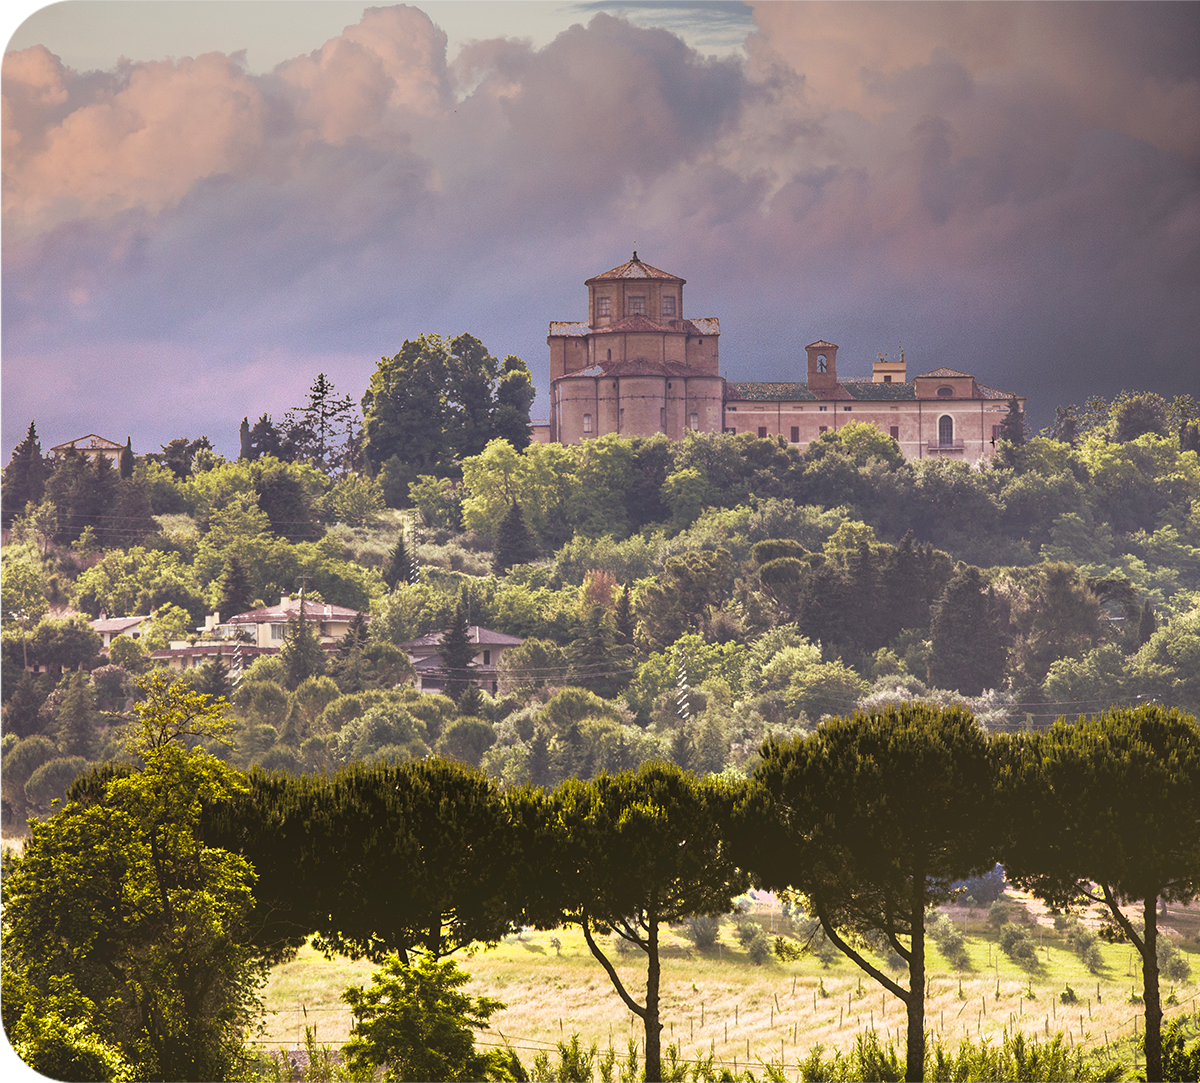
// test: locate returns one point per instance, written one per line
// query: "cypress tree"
(538, 763)
(968, 645)
(1147, 625)
(127, 459)
(458, 655)
(24, 477)
(399, 566)
(624, 618)
(74, 717)
(21, 711)
(246, 451)
(236, 590)
(301, 652)
(514, 543)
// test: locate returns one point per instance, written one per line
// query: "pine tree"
(75, 717)
(24, 477)
(1012, 428)
(236, 589)
(458, 655)
(538, 763)
(21, 711)
(301, 652)
(399, 566)
(968, 645)
(514, 542)
(212, 678)
(1147, 625)
(624, 618)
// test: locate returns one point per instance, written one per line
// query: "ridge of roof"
(634, 268)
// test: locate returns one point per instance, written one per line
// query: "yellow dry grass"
(719, 1002)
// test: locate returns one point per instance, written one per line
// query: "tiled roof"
(820, 344)
(635, 268)
(312, 611)
(992, 393)
(89, 442)
(475, 634)
(798, 392)
(945, 372)
(116, 625)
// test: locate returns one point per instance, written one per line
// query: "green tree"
(969, 652)
(1105, 810)
(301, 653)
(1134, 415)
(416, 1024)
(514, 397)
(401, 565)
(631, 853)
(126, 460)
(514, 544)
(458, 654)
(236, 591)
(119, 896)
(24, 477)
(320, 430)
(75, 718)
(872, 819)
(404, 407)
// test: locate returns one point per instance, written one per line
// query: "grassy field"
(720, 1002)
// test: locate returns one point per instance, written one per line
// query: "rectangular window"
(668, 303)
(762, 431)
(995, 433)
(822, 408)
(587, 422)
(733, 409)
(896, 433)
(635, 306)
(795, 434)
(279, 631)
(846, 409)
(824, 428)
(887, 379)
(662, 418)
(621, 418)
(487, 658)
(694, 421)
(603, 306)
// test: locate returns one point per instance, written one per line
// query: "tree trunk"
(1150, 991)
(653, 1025)
(914, 1070)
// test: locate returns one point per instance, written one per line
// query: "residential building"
(426, 657)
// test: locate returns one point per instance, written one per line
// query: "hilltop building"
(425, 654)
(639, 367)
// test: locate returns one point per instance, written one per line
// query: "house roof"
(476, 634)
(88, 443)
(116, 625)
(635, 268)
(273, 614)
(846, 391)
(944, 372)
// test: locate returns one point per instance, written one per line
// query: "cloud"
(1010, 189)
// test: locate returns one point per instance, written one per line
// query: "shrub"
(950, 941)
(702, 930)
(1018, 945)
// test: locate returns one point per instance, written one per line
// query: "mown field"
(720, 1002)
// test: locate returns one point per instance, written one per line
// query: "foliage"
(173, 981)
(415, 1023)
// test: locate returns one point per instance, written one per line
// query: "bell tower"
(822, 366)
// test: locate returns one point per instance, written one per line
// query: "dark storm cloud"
(1007, 189)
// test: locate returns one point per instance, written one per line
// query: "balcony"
(935, 448)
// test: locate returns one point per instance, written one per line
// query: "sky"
(206, 203)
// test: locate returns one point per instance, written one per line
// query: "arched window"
(945, 430)
(822, 363)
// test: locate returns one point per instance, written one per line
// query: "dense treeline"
(869, 819)
(779, 584)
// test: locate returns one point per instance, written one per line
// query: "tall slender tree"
(514, 541)
(24, 476)
(458, 654)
